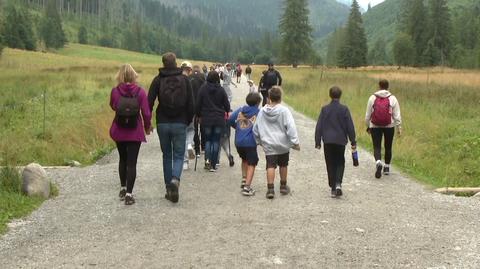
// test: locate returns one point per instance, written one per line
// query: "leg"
(190, 133)
(270, 177)
(179, 133)
(389, 133)
(377, 142)
(244, 169)
(207, 130)
(330, 163)
(217, 132)
(196, 137)
(132, 149)
(164, 134)
(250, 164)
(264, 97)
(122, 164)
(340, 164)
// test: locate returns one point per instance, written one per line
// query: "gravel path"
(393, 222)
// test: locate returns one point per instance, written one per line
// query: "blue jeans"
(212, 144)
(172, 141)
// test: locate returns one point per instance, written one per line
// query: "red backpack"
(382, 112)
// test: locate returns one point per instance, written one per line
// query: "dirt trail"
(388, 223)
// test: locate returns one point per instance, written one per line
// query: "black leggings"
(127, 167)
(377, 134)
(335, 160)
(265, 97)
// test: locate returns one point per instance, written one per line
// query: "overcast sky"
(364, 3)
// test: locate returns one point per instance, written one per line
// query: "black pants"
(335, 160)
(264, 96)
(377, 134)
(127, 167)
(198, 137)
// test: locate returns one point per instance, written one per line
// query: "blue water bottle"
(355, 158)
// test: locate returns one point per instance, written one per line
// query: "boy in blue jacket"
(242, 120)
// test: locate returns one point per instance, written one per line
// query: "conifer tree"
(17, 30)
(404, 50)
(52, 31)
(378, 54)
(82, 35)
(295, 32)
(334, 42)
(417, 27)
(353, 52)
(439, 44)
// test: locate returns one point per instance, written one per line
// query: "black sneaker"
(378, 173)
(122, 194)
(172, 190)
(231, 162)
(248, 191)
(270, 194)
(333, 194)
(243, 183)
(284, 189)
(386, 170)
(129, 200)
(338, 191)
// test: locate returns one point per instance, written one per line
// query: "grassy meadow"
(440, 113)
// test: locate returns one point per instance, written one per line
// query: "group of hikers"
(194, 116)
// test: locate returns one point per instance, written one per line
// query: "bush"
(10, 180)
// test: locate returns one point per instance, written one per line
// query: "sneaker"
(378, 173)
(129, 200)
(207, 165)
(185, 166)
(231, 162)
(248, 191)
(212, 170)
(284, 189)
(191, 152)
(122, 194)
(386, 170)
(172, 189)
(333, 194)
(242, 185)
(338, 190)
(270, 194)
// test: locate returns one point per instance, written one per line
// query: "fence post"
(44, 111)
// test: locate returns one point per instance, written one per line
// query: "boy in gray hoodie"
(276, 132)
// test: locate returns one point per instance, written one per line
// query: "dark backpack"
(128, 109)
(382, 112)
(248, 70)
(173, 95)
(270, 78)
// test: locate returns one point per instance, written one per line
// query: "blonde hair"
(126, 74)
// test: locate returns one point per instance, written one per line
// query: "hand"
(399, 131)
(148, 131)
(354, 147)
(369, 131)
(296, 147)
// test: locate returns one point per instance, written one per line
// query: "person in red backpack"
(382, 118)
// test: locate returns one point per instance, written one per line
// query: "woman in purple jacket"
(129, 138)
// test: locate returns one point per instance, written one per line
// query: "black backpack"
(248, 70)
(173, 95)
(270, 78)
(128, 109)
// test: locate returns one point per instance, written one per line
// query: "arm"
(291, 128)
(153, 92)
(198, 105)
(226, 103)
(256, 132)
(397, 118)
(112, 105)
(368, 113)
(146, 112)
(233, 118)
(190, 102)
(279, 78)
(319, 130)
(350, 128)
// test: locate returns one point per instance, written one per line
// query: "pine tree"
(295, 32)
(404, 50)
(334, 42)
(17, 30)
(353, 52)
(439, 44)
(82, 35)
(378, 54)
(417, 27)
(52, 31)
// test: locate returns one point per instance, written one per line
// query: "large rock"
(477, 195)
(35, 181)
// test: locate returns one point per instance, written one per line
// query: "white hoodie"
(275, 130)
(396, 117)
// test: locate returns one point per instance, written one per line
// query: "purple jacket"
(119, 134)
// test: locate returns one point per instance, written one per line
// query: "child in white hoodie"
(276, 132)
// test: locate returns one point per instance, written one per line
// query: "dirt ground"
(392, 222)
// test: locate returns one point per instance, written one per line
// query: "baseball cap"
(187, 64)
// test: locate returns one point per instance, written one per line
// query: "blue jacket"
(335, 125)
(244, 125)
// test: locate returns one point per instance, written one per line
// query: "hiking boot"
(248, 191)
(386, 170)
(129, 200)
(284, 189)
(231, 162)
(338, 190)
(122, 194)
(191, 152)
(270, 194)
(242, 185)
(378, 173)
(173, 190)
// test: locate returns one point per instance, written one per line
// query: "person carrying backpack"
(382, 117)
(132, 121)
(271, 78)
(243, 120)
(239, 73)
(174, 113)
(248, 72)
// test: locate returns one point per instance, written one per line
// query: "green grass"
(440, 144)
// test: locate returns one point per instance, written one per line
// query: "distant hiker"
(197, 80)
(212, 104)
(271, 78)
(334, 126)
(187, 70)
(205, 70)
(175, 112)
(251, 86)
(261, 89)
(227, 80)
(239, 73)
(276, 132)
(382, 116)
(132, 121)
(243, 120)
(248, 72)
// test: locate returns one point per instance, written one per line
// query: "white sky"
(364, 3)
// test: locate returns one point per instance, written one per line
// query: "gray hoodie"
(396, 117)
(275, 130)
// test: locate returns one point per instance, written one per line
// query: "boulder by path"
(392, 222)
(35, 181)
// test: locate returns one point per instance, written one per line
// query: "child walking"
(243, 120)
(276, 132)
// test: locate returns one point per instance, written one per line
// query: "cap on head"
(186, 64)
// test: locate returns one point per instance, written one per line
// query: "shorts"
(248, 154)
(277, 160)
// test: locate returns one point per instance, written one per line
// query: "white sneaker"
(191, 152)
(185, 166)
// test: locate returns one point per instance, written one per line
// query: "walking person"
(271, 78)
(212, 104)
(239, 73)
(197, 80)
(334, 127)
(174, 113)
(243, 120)
(187, 70)
(276, 132)
(227, 80)
(248, 72)
(132, 121)
(382, 117)
(251, 87)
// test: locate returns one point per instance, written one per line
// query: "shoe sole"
(378, 173)
(173, 189)
(270, 195)
(248, 193)
(338, 192)
(284, 191)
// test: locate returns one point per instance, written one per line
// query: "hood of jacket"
(250, 111)
(128, 89)
(383, 94)
(272, 112)
(169, 72)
